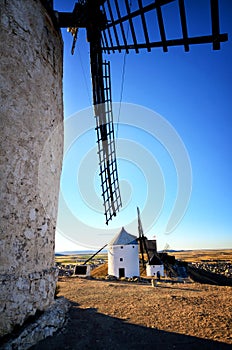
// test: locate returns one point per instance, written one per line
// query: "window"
(121, 247)
(121, 259)
(133, 246)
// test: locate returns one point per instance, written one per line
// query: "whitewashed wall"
(130, 255)
(31, 109)
(152, 270)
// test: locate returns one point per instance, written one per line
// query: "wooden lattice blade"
(135, 28)
(100, 72)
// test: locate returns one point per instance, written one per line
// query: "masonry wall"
(152, 270)
(123, 256)
(31, 110)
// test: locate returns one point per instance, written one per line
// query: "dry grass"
(188, 255)
(66, 259)
(73, 259)
(203, 255)
(100, 271)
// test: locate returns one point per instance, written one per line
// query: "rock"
(46, 325)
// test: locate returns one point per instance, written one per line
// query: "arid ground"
(129, 315)
(202, 255)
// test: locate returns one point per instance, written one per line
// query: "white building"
(155, 266)
(123, 255)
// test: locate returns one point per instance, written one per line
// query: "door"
(121, 272)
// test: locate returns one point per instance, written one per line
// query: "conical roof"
(123, 238)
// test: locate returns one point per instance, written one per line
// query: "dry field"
(203, 255)
(123, 315)
(188, 255)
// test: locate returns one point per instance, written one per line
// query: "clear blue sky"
(192, 92)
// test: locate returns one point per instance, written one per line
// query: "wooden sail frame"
(114, 36)
(110, 31)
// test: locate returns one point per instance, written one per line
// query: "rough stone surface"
(46, 325)
(31, 146)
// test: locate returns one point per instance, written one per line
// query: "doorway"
(121, 272)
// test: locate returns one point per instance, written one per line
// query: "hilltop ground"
(123, 315)
(129, 315)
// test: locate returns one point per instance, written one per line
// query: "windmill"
(105, 22)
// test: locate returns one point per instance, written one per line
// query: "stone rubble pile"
(222, 268)
(66, 270)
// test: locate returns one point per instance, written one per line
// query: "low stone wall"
(46, 325)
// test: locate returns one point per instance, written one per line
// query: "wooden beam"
(215, 24)
(131, 25)
(121, 25)
(112, 18)
(206, 39)
(183, 23)
(161, 28)
(138, 12)
(146, 36)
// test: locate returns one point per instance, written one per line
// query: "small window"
(121, 247)
(133, 246)
(121, 259)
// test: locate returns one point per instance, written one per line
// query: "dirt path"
(116, 315)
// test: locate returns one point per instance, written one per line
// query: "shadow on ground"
(88, 329)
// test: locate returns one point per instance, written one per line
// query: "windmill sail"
(112, 26)
(100, 72)
(88, 14)
(106, 148)
(121, 32)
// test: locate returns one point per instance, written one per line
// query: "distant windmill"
(106, 22)
(150, 262)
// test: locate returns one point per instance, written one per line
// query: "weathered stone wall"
(31, 109)
(53, 319)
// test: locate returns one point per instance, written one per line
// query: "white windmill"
(123, 255)
(154, 266)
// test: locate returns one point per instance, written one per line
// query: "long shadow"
(88, 329)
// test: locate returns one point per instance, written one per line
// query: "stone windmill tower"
(31, 110)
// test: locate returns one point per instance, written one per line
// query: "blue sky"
(191, 93)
